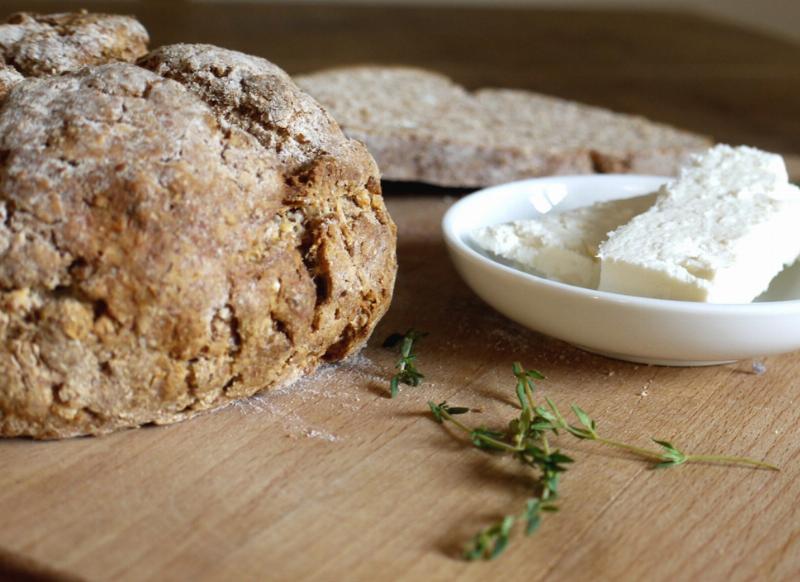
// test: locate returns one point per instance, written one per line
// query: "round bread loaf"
(176, 238)
(51, 44)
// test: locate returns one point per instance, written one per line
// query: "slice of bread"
(420, 126)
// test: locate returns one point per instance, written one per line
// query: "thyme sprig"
(490, 542)
(527, 439)
(407, 371)
(669, 456)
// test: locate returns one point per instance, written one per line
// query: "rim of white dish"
(452, 237)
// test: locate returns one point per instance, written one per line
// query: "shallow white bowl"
(638, 329)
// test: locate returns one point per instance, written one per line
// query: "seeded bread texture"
(420, 126)
(51, 44)
(177, 238)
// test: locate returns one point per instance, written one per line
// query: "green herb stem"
(485, 438)
(731, 461)
(529, 395)
(447, 416)
(545, 444)
(656, 456)
(642, 452)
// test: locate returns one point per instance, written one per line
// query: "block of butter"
(718, 233)
(561, 245)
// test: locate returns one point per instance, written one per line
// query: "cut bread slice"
(420, 126)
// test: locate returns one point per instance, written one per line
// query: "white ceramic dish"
(638, 329)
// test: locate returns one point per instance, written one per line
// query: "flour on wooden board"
(339, 384)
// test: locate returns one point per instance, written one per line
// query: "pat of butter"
(561, 245)
(718, 233)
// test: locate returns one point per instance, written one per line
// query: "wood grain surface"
(331, 480)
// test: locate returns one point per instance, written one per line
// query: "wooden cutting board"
(329, 479)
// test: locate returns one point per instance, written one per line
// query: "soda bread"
(174, 236)
(51, 44)
(421, 126)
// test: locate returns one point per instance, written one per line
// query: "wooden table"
(331, 480)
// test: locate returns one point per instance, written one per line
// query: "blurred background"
(728, 68)
(780, 17)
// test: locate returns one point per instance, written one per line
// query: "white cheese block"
(562, 245)
(718, 233)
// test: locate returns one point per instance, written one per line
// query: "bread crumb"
(320, 434)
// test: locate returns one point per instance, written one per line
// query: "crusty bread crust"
(8, 78)
(421, 126)
(51, 44)
(177, 238)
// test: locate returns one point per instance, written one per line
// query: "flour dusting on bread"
(171, 242)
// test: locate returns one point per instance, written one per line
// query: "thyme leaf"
(407, 371)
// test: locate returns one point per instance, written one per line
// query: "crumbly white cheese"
(718, 233)
(562, 245)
